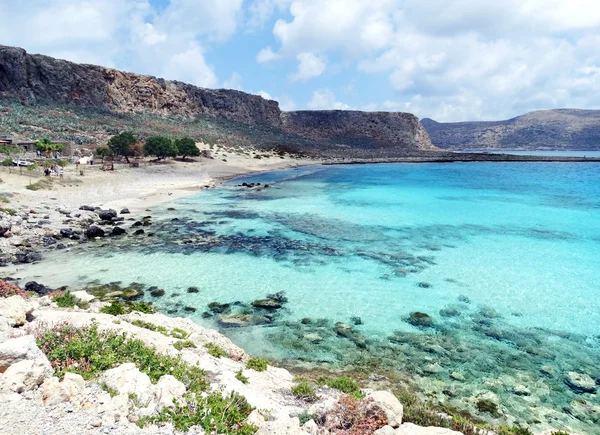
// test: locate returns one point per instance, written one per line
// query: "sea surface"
(501, 261)
(552, 153)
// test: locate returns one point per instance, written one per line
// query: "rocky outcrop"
(37, 77)
(42, 79)
(542, 129)
(367, 130)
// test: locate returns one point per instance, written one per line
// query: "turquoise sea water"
(503, 257)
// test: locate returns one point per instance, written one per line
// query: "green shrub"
(181, 344)
(150, 326)
(343, 384)
(7, 162)
(119, 308)
(67, 300)
(8, 211)
(89, 352)
(304, 391)
(305, 417)
(258, 364)
(114, 309)
(226, 415)
(215, 350)
(179, 333)
(240, 377)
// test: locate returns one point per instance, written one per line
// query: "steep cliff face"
(550, 129)
(367, 130)
(39, 77)
(46, 80)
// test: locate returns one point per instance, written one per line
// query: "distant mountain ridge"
(36, 80)
(542, 129)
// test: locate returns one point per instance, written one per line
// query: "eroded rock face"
(365, 129)
(41, 77)
(392, 407)
(35, 77)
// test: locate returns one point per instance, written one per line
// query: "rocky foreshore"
(45, 389)
(27, 233)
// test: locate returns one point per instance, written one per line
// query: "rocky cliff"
(36, 77)
(367, 130)
(45, 80)
(542, 129)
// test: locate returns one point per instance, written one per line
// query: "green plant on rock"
(183, 344)
(305, 417)
(258, 364)
(240, 377)
(304, 391)
(150, 326)
(343, 384)
(179, 333)
(214, 413)
(215, 350)
(90, 352)
(67, 300)
(119, 308)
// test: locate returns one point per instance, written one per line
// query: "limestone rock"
(168, 388)
(580, 382)
(19, 349)
(84, 296)
(127, 379)
(55, 392)
(15, 310)
(282, 427)
(26, 375)
(385, 430)
(390, 404)
(311, 427)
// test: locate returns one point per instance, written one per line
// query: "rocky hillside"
(369, 130)
(36, 81)
(543, 129)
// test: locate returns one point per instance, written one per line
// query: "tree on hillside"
(123, 144)
(46, 146)
(104, 152)
(187, 147)
(161, 147)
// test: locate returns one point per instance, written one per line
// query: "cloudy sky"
(450, 60)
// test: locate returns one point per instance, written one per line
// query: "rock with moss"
(420, 320)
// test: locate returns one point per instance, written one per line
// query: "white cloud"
(481, 59)
(266, 55)
(234, 82)
(286, 103)
(324, 99)
(265, 95)
(130, 34)
(260, 11)
(310, 65)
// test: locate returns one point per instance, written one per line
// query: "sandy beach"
(137, 188)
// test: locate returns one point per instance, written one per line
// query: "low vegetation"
(343, 384)
(90, 352)
(258, 364)
(183, 344)
(215, 350)
(240, 377)
(119, 308)
(305, 391)
(67, 300)
(7, 290)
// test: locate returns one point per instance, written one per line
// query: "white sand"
(137, 188)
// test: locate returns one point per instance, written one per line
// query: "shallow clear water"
(557, 153)
(504, 257)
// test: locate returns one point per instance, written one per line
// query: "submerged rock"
(420, 320)
(218, 308)
(240, 320)
(267, 304)
(580, 383)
